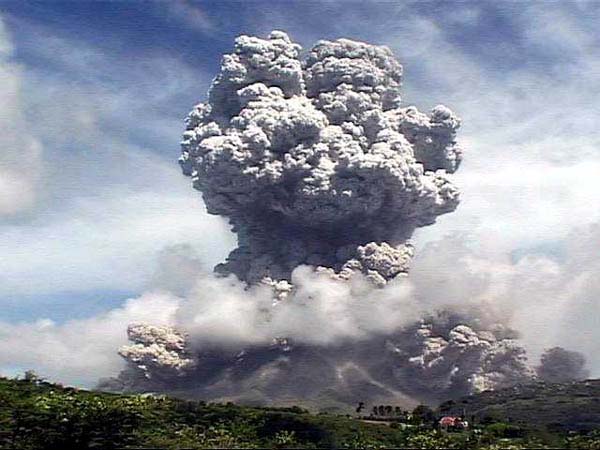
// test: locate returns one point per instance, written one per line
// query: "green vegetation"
(558, 408)
(43, 416)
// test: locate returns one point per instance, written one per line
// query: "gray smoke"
(559, 365)
(433, 359)
(324, 176)
(449, 354)
(158, 351)
(314, 161)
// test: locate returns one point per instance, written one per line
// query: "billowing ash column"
(314, 161)
(443, 357)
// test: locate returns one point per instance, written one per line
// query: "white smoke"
(320, 310)
(241, 333)
(550, 301)
(546, 301)
(242, 336)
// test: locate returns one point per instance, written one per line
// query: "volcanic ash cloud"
(314, 161)
(558, 365)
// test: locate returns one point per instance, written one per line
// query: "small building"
(453, 423)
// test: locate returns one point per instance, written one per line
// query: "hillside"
(559, 407)
(40, 415)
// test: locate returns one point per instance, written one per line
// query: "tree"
(31, 376)
(429, 439)
(78, 422)
(424, 414)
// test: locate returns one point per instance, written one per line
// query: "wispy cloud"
(79, 351)
(188, 13)
(110, 194)
(21, 155)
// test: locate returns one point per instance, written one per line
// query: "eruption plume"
(324, 177)
(313, 161)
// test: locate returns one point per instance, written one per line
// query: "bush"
(505, 430)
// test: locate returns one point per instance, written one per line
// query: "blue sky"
(93, 100)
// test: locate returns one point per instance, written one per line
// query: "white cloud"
(558, 30)
(78, 352)
(107, 242)
(20, 152)
(191, 15)
(551, 301)
(110, 195)
(532, 148)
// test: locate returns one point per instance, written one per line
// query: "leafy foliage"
(36, 415)
(557, 408)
